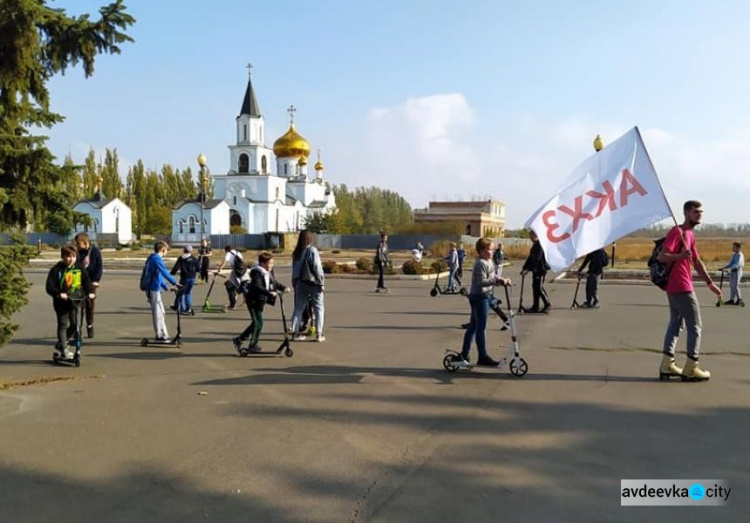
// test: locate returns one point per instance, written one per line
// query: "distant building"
(109, 216)
(477, 218)
(258, 199)
(186, 216)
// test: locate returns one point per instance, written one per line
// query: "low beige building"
(475, 218)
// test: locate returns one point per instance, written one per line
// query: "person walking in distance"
(596, 261)
(204, 257)
(381, 260)
(680, 252)
(536, 264)
(90, 258)
(735, 266)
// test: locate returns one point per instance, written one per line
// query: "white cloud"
(433, 148)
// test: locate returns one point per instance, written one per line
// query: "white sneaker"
(299, 337)
(320, 338)
(68, 355)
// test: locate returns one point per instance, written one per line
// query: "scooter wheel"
(449, 363)
(463, 291)
(433, 292)
(144, 342)
(742, 304)
(77, 361)
(518, 367)
(55, 356)
(718, 303)
(288, 352)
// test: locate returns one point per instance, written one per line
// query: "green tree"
(36, 43)
(13, 258)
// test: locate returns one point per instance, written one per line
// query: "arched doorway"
(235, 218)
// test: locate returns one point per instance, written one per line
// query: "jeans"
(381, 279)
(302, 293)
(452, 278)
(252, 332)
(683, 306)
(157, 315)
(537, 289)
(184, 298)
(735, 276)
(592, 289)
(477, 325)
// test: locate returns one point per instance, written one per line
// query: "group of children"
(73, 281)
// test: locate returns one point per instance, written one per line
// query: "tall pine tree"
(36, 43)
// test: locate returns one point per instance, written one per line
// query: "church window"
(234, 200)
(191, 225)
(263, 165)
(244, 132)
(285, 168)
(277, 193)
(244, 166)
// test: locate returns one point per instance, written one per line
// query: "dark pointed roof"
(250, 103)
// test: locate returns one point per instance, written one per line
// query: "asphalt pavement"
(368, 426)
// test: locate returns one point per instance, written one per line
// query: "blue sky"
(432, 99)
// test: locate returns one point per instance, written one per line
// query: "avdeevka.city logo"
(671, 492)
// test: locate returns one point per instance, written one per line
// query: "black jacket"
(57, 284)
(256, 292)
(91, 260)
(596, 261)
(187, 265)
(536, 262)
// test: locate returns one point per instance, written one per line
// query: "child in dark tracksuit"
(67, 283)
(261, 290)
(188, 265)
(536, 264)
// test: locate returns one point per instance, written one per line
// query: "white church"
(251, 195)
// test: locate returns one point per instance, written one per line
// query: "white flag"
(612, 193)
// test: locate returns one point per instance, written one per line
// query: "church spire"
(250, 103)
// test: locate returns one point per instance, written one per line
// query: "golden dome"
(302, 161)
(291, 144)
(318, 165)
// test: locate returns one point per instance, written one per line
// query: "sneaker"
(320, 338)
(162, 340)
(505, 326)
(255, 348)
(299, 337)
(487, 362)
(90, 331)
(231, 307)
(595, 305)
(59, 347)
(173, 307)
(465, 325)
(237, 341)
(546, 308)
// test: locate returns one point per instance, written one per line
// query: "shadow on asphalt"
(318, 375)
(143, 495)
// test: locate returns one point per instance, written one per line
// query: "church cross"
(291, 112)
(249, 69)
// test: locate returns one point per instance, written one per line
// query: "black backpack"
(604, 258)
(658, 271)
(238, 265)
(145, 277)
